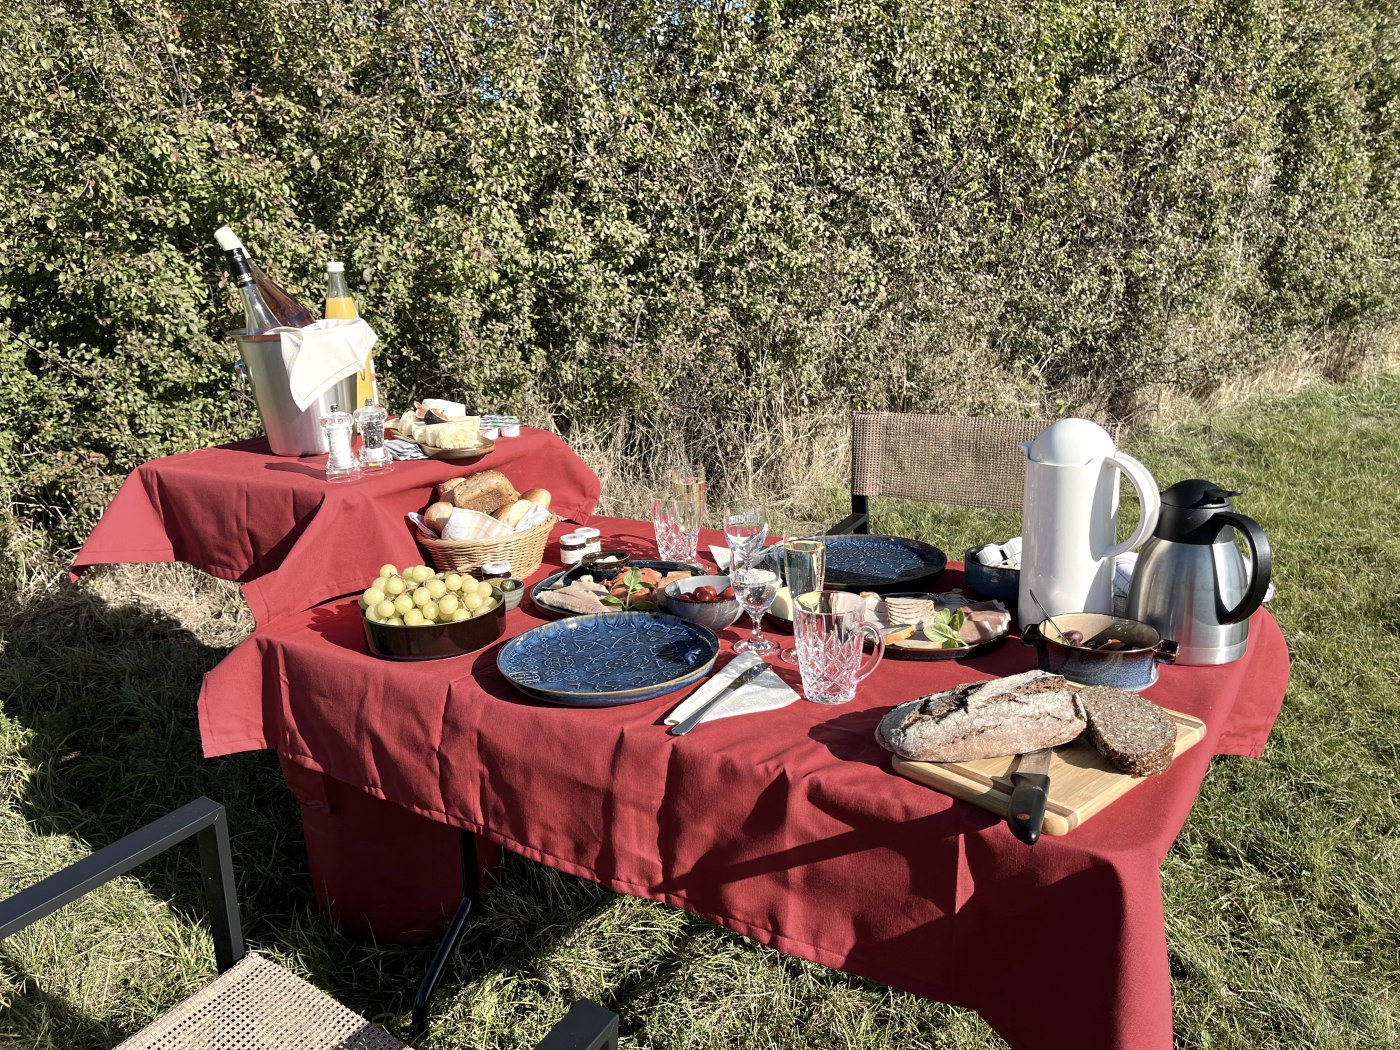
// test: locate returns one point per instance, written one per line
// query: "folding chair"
(253, 1001)
(966, 461)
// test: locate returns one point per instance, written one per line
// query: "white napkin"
(766, 692)
(322, 354)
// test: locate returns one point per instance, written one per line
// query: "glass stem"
(757, 635)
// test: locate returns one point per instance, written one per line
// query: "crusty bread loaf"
(1006, 716)
(1134, 734)
(514, 513)
(487, 492)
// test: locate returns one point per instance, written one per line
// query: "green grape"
(372, 613)
(396, 621)
(490, 604)
(395, 585)
(413, 618)
(461, 614)
(448, 604)
(386, 609)
(388, 570)
(453, 581)
(421, 597)
(430, 611)
(403, 603)
(422, 574)
(473, 601)
(436, 588)
(470, 585)
(373, 596)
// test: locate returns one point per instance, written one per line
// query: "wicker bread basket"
(524, 550)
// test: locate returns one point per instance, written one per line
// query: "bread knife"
(1030, 786)
(733, 685)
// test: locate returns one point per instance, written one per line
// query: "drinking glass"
(804, 572)
(677, 525)
(830, 642)
(745, 530)
(688, 486)
(755, 587)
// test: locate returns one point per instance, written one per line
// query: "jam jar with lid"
(572, 547)
(494, 570)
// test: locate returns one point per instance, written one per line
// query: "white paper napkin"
(765, 692)
(322, 354)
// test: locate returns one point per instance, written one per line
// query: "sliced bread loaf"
(1134, 734)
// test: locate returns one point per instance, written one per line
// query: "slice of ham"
(583, 595)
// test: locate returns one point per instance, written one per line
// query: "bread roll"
(540, 496)
(436, 516)
(514, 513)
(487, 492)
(1006, 716)
(443, 492)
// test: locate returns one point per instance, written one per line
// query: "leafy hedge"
(615, 209)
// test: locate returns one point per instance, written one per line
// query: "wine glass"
(755, 587)
(804, 572)
(745, 530)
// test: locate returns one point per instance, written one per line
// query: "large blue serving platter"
(881, 563)
(609, 659)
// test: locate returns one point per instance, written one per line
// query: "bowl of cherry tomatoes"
(706, 600)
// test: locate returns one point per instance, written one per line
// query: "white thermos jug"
(1069, 526)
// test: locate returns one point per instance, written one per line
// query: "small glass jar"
(572, 547)
(495, 570)
(593, 540)
(374, 456)
(341, 462)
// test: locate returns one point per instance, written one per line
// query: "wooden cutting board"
(1081, 780)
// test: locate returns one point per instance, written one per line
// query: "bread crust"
(488, 492)
(1006, 716)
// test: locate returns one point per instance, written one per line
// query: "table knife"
(1030, 785)
(737, 682)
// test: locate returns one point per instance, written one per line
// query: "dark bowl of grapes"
(438, 640)
(1098, 649)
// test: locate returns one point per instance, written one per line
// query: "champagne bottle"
(281, 306)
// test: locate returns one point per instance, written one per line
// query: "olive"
(1075, 638)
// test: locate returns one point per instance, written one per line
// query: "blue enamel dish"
(881, 563)
(608, 659)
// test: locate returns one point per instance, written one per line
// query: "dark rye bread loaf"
(1134, 734)
(1006, 716)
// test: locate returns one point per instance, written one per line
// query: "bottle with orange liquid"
(341, 305)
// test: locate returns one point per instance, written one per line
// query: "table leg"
(380, 871)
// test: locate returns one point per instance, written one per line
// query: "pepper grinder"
(374, 457)
(341, 464)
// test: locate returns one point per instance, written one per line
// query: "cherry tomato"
(728, 594)
(705, 594)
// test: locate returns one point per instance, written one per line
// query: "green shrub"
(619, 210)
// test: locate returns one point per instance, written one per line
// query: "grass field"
(1282, 893)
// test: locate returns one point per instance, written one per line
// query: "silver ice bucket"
(291, 431)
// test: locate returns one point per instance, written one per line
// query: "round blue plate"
(608, 659)
(881, 563)
(545, 584)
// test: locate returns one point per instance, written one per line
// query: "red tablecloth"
(274, 525)
(789, 826)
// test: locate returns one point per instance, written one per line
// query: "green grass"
(1282, 892)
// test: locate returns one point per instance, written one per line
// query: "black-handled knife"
(1030, 786)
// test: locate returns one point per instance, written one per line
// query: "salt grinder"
(341, 463)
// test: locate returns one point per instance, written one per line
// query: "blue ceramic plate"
(545, 584)
(881, 563)
(609, 659)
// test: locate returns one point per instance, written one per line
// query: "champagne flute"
(688, 491)
(755, 588)
(804, 574)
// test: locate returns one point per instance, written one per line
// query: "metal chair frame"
(587, 1026)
